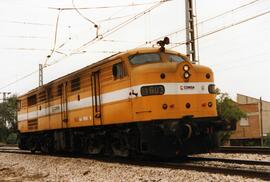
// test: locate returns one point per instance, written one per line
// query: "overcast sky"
(239, 56)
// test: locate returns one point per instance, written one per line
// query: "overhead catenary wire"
(28, 23)
(104, 7)
(119, 26)
(23, 49)
(84, 17)
(225, 67)
(17, 80)
(55, 39)
(23, 37)
(119, 41)
(243, 65)
(96, 26)
(77, 10)
(101, 36)
(106, 33)
(176, 46)
(110, 31)
(201, 22)
(223, 28)
(114, 18)
(110, 18)
(226, 27)
(230, 11)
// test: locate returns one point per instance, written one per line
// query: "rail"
(244, 149)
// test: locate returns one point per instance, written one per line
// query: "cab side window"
(59, 90)
(118, 70)
(75, 84)
(42, 96)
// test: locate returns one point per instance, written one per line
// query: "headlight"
(186, 75)
(185, 67)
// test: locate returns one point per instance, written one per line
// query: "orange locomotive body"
(142, 101)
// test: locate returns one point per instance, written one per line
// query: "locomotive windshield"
(175, 58)
(138, 59)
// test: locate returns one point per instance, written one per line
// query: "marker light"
(211, 88)
(185, 67)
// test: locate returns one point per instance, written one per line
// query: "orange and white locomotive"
(143, 101)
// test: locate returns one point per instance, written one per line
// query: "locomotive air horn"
(162, 43)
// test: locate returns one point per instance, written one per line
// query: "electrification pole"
(40, 73)
(5, 95)
(190, 32)
(261, 120)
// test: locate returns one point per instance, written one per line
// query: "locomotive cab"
(169, 86)
(178, 96)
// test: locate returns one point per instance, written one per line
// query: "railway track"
(200, 164)
(244, 149)
(232, 161)
(260, 174)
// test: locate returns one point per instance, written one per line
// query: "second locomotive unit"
(150, 101)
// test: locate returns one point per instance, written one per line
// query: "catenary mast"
(190, 32)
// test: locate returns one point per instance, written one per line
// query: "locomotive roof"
(103, 61)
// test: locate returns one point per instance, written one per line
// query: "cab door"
(64, 104)
(120, 104)
(96, 98)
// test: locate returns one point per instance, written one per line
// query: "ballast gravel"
(22, 167)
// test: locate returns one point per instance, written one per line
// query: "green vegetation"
(8, 120)
(229, 111)
(266, 140)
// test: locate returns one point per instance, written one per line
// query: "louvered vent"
(32, 124)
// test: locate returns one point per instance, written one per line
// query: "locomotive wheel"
(94, 149)
(32, 145)
(22, 145)
(119, 145)
(46, 145)
(94, 144)
(120, 150)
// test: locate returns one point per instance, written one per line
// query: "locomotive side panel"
(115, 87)
(22, 114)
(74, 104)
(79, 101)
(43, 111)
(55, 118)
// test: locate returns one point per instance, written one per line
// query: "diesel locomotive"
(145, 101)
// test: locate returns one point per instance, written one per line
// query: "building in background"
(249, 130)
(243, 99)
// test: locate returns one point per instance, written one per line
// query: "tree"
(228, 110)
(8, 117)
